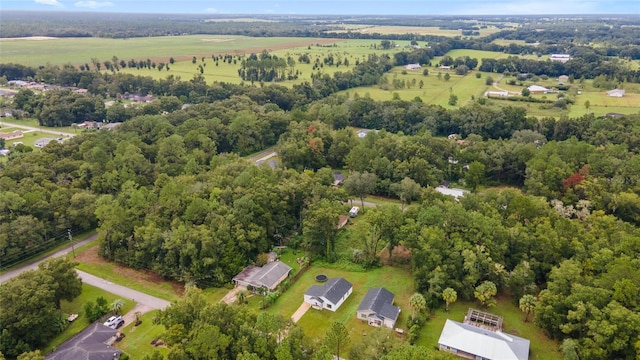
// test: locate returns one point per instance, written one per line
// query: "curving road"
(33, 128)
(146, 301)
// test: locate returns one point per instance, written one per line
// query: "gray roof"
(267, 276)
(90, 344)
(380, 301)
(482, 342)
(333, 290)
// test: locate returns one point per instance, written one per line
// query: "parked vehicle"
(354, 211)
(114, 322)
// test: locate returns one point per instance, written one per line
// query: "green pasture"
(420, 30)
(351, 50)
(505, 42)
(541, 347)
(160, 49)
(137, 340)
(89, 293)
(434, 91)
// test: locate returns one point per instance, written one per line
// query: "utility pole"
(73, 250)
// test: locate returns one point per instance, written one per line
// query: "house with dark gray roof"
(329, 296)
(473, 342)
(93, 343)
(377, 308)
(268, 276)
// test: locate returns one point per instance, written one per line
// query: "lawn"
(145, 282)
(137, 341)
(89, 293)
(315, 323)
(541, 348)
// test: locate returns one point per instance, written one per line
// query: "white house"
(472, 342)
(330, 296)
(377, 308)
(413, 67)
(537, 89)
(504, 93)
(563, 58)
(616, 93)
(268, 276)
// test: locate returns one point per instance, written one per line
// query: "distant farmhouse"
(563, 58)
(563, 79)
(537, 89)
(330, 296)
(616, 93)
(377, 308)
(268, 276)
(456, 193)
(504, 93)
(413, 67)
(17, 134)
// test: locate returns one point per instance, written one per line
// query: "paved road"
(34, 265)
(145, 300)
(262, 156)
(123, 291)
(32, 128)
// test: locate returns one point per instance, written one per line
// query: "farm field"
(351, 50)
(58, 51)
(420, 30)
(434, 91)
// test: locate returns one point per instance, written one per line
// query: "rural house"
(481, 337)
(377, 308)
(413, 67)
(563, 58)
(16, 134)
(268, 276)
(563, 79)
(537, 89)
(330, 296)
(616, 93)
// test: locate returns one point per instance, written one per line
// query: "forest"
(554, 211)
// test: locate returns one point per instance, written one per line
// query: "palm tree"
(527, 304)
(242, 297)
(417, 303)
(117, 305)
(449, 296)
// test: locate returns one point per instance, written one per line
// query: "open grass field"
(541, 347)
(350, 50)
(89, 293)
(81, 50)
(434, 91)
(137, 341)
(420, 30)
(143, 281)
(505, 42)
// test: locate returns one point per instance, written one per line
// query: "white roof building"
(616, 93)
(456, 193)
(477, 343)
(537, 89)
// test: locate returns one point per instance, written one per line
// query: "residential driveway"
(232, 295)
(130, 317)
(300, 312)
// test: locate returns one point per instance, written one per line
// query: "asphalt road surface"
(122, 291)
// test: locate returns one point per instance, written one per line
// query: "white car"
(354, 211)
(114, 322)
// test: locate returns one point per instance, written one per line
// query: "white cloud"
(211, 10)
(93, 4)
(49, 2)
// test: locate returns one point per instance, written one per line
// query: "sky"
(336, 7)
